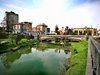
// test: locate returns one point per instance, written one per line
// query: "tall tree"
(57, 29)
(66, 30)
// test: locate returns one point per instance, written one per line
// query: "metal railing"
(94, 48)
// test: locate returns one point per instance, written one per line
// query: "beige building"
(33, 28)
(41, 27)
(83, 31)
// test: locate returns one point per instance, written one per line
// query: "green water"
(34, 62)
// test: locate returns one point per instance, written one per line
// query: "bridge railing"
(93, 62)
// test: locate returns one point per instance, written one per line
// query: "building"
(47, 30)
(27, 26)
(11, 18)
(41, 27)
(34, 29)
(22, 27)
(17, 28)
(62, 31)
(83, 31)
(98, 32)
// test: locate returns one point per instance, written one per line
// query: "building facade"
(27, 26)
(33, 28)
(11, 18)
(83, 31)
(22, 27)
(47, 30)
(41, 27)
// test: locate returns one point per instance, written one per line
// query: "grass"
(78, 59)
(6, 47)
(3, 39)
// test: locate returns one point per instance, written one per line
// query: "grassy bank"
(78, 59)
(3, 39)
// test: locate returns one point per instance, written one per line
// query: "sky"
(72, 13)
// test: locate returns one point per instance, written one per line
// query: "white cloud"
(54, 12)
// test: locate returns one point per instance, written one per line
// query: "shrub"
(30, 43)
(12, 38)
(24, 42)
(34, 42)
(87, 35)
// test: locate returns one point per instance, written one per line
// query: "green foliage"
(12, 38)
(30, 43)
(87, 35)
(70, 32)
(3, 40)
(57, 40)
(18, 38)
(74, 51)
(1, 29)
(75, 33)
(67, 67)
(24, 42)
(78, 60)
(3, 47)
(34, 42)
(6, 46)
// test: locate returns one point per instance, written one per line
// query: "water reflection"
(49, 61)
(10, 57)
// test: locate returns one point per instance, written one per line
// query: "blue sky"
(72, 13)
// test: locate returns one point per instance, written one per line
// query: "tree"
(70, 31)
(56, 29)
(1, 29)
(75, 32)
(87, 35)
(12, 38)
(66, 30)
(18, 38)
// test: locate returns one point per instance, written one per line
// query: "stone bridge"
(52, 37)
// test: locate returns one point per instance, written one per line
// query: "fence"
(93, 62)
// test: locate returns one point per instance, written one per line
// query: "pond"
(50, 61)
